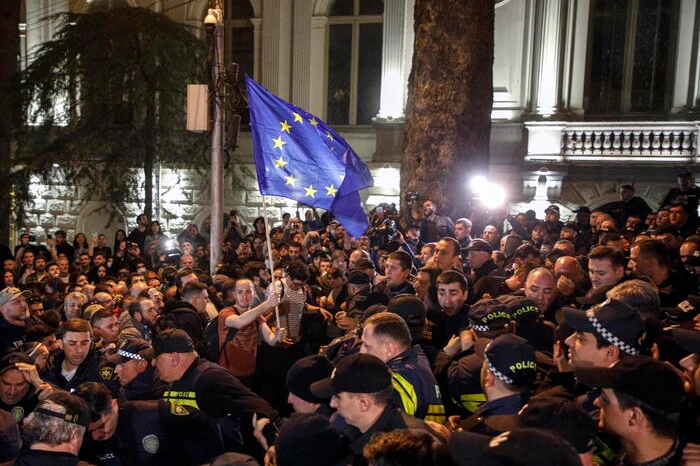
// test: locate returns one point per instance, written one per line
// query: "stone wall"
(184, 198)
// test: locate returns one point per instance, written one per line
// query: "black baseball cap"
(517, 447)
(309, 438)
(613, 320)
(684, 311)
(357, 373)
(583, 208)
(132, 349)
(552, 208)
(653, 382)
(72, 409)
(489, 314)
(687, 339)
(306, 371)
(522, 309)
(8, 361)
(511, 359)
(172, 340)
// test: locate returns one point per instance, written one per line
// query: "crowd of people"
(537, 341)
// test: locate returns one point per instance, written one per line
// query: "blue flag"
(299, 157)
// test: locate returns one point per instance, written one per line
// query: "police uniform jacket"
(464, 380)
(155, 432)
(88, 371)
(415, 385)
(23, 407)
(219, 394)
(507, 405)
(212, 389)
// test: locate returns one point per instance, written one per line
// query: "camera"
(412, 196)
(210, 22)
(384, 233)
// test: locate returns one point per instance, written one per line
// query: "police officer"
(508, 370)
(145, 432)
(209, 387)
(386, 336)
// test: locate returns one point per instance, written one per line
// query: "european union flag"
(299, 157)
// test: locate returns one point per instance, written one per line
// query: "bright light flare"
(490, 194)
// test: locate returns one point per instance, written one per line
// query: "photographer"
(291, 228)
(384, 228)
(235, 228)
(433, 226)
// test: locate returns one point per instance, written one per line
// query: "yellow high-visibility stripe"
(181, 398)
(409, 399)
(471, 401)
(436, 413)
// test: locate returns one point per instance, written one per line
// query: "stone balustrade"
(674, 141)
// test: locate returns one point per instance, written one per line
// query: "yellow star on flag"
(298, 118)
(278, 142)
(329, 135)
(290, 181)
(310, 191)
(280, 162)
(313, 121)
(330, 190)
(285, 126)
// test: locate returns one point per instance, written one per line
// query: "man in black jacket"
(189, 314)
(147, 432)
(208, 387)
(76, 362)
(362, 392)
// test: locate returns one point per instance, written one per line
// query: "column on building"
(318, 62)
(548, 57)
(397, 54)
(257, 47)
(686, 88)
(574, 67)
(277, 46)
(301, 53)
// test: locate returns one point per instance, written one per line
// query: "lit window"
(354, 61)
(630, 56)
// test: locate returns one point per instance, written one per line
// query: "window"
(630, 57)
(354, 61)
(238, 37)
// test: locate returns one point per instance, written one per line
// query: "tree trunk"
(450, 96)
(9, 105)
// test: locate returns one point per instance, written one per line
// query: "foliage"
(106, 99)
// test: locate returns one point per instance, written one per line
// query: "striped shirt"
(291, 308)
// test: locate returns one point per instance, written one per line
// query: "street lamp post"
(214, 24)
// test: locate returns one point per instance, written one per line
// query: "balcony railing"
(613, 141)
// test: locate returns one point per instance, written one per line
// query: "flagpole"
(269, 255)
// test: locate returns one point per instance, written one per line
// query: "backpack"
(185, 319)
(213, 347)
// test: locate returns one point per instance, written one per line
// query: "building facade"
(588, 95)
